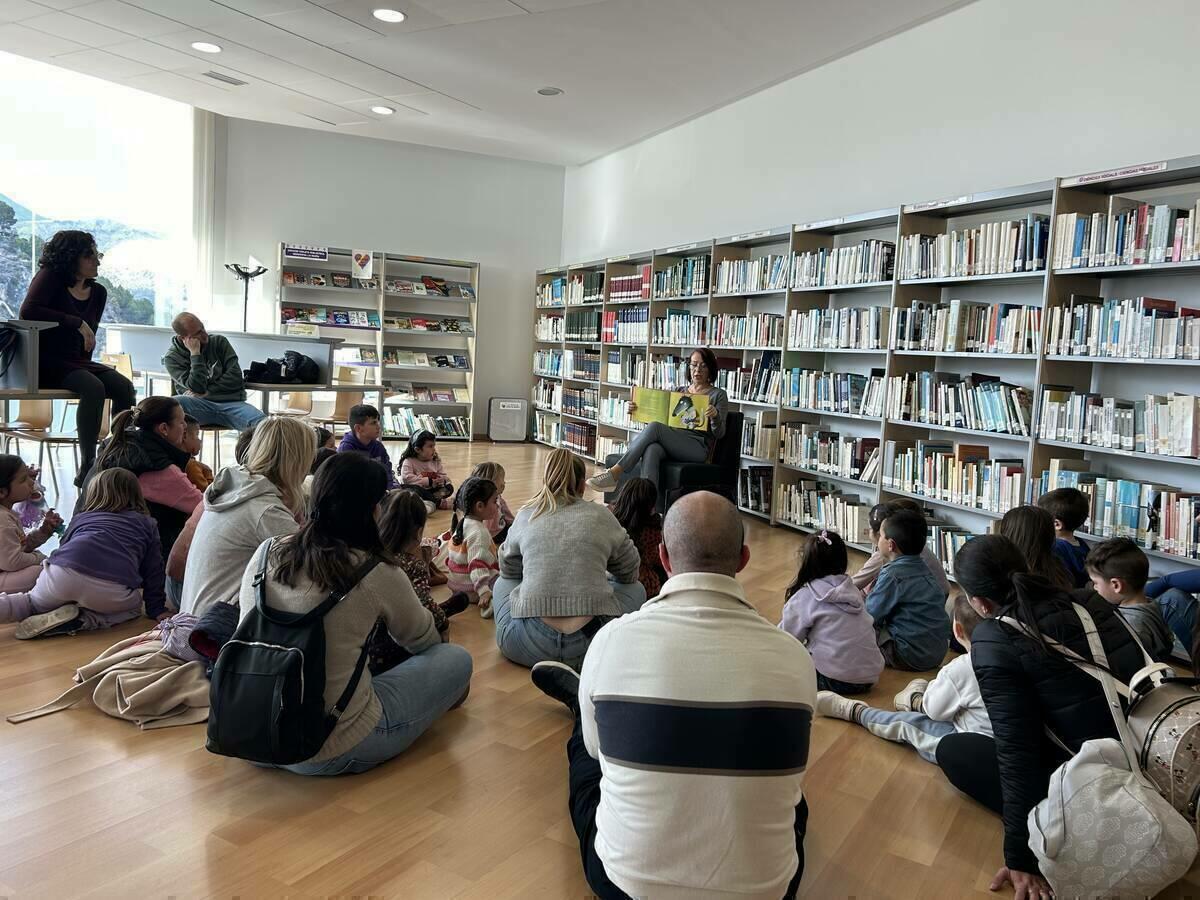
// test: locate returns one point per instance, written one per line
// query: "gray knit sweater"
(561, 559)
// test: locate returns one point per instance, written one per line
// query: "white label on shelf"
(824, 223)
(510, 404)
(304, 251)
(681, 247)
(622, 258)
(749, 236)
(936, 204)
(1111, 174)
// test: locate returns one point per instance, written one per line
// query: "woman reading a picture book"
(658, 442)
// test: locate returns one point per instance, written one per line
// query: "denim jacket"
(908, 601)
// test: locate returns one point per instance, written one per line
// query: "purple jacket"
(830, 617)
(119, 547)
(375, 450)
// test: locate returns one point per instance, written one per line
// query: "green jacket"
(215, 372)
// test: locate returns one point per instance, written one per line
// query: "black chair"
(678, 478)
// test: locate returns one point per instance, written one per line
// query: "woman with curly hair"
(64, 291)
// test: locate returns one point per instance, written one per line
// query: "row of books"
(319, 315)
(581, 364)
(402, 421)
(329, 279)
(583, 402)
(668, 373)
(552, 293)
(547, 428)
(967, 327)
(623, 288)
(548, 394)
(1130, 233)
(760, 437)
(392, 357)
(679, 327)
(407, 392)
(613, 412)
(1133, 328)
(625, 367)
(548, 362)
(866, 262)
(548, 328)
(993, 248)
(447, 325)
(766, 273)
(978, 402)
(945, 540)
(582, 325)
(840, 392)
(808, 446)
(754, 488)
(1154, 424)
(609, 446)
(626, 326)
(850, 328)
(585, 287)
(579, 437)
(426, 286)
(758, 382)
(954, 472)
(686, 278)
(359, 356)
(759, 330)
(806, 503)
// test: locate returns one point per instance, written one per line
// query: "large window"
(87, 154)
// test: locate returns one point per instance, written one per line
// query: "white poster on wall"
(361, 263)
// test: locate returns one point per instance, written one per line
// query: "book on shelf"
(435, 286)
(850, 328)
(626, 326)
(758, 382)
(548, 362)
(585, 287)
(668, 373)
(765, 273)
(421, 359)
(316, 279)
(613, 412)
(808, 446)
(754, 488)
(945, 540)
(403, 421)
(967, 327)
(339, 280)
(1132, 328)
(809, 504)
(369, 356)
(993, 248)
(367, 284)
(355, 356)
(402, 392)
(442, 395)
(552, 292)
(625, 367)
(760, 436)
(341, 317)
(581, 402)
(609, 446)
(547, 428)
(582, 364)
(582, 325)
(626, 288)
(441, 361)
(424, 394)
(579, 437)
(679, 327)
(975, 401)
(460, 289)
(1130, 233)
(462, 395)
(548, 394)
(686, 278)
(1153, 424)
(838, 392)
(317, 315)
(759, 330)
(866, 262)
(954, 472)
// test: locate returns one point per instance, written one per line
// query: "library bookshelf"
(1009, 242)
(408, 332)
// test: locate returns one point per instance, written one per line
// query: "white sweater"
(953, 696)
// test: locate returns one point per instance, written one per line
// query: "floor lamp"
(246, 274)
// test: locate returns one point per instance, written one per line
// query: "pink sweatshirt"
(415, 472)
(502, 518)
(472, 566)
(13, 555)
(170, 487)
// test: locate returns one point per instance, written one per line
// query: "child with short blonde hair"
(498, 525)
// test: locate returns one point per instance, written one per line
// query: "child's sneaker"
(446, 503)
(456, 604)
(430, 507)
(485, 612)
(557, 681)
(36, 626)
(915, 688)
(602, 481)
(835, 706)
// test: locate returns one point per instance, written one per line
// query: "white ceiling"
(463, 74)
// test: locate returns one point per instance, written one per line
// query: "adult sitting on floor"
(566, 568)
(686, 776)
(388, 711)
(207, 376)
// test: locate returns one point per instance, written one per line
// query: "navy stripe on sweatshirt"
(742, 738)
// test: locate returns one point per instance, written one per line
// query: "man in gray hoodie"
(207, 376)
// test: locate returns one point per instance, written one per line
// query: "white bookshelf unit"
(985, 262)
(408, 331)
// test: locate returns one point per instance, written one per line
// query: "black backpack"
(301, 369)
(267, 695)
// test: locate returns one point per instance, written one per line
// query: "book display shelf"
(970, 353)
(407, 330)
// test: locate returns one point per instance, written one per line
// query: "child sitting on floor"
(363, 437)
(1069, 509)
(402, 519)
(197, 472)
(864, 578)
(470, 554)
(636, 508)
(325, 439)
(906, 602)
(1031, 528)
(494, 472)
(926, 711)
(20, 561)
(1119, 569)
(421, 469)
(92, 580)
(826, 613)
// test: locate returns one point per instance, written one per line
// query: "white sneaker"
(603, 481)
(36, 626)
(835, 706)
(905, 697)
(485, 612)
(430, 507)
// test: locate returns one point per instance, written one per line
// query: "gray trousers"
(657, 442)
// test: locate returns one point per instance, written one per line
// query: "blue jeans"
(235, 414)
(657, 442)
(1179, 609)
(174, 592)
(414, 695)
(913, 728)
(529, 641)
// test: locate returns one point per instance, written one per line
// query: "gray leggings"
(657, 442)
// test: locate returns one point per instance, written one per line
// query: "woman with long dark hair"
(389, 711)
(636, 508)
(1031, 528)
(65, 291)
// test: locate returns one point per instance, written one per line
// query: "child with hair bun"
(20, 561)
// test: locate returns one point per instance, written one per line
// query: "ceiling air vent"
(224, 79)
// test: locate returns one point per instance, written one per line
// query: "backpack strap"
(352, 685)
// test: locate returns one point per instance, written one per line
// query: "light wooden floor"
(476, 809)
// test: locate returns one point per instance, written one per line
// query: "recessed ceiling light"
(205, 47)
(383, 110)
(389, 15)
(550, 91)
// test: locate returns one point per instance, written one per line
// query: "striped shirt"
(699, 711)
(472, 567)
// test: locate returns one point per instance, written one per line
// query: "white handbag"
(1104, 830)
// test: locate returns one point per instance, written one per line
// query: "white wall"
(999, 93)
(282, 183)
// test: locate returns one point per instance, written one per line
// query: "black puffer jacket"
(1027, 690)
